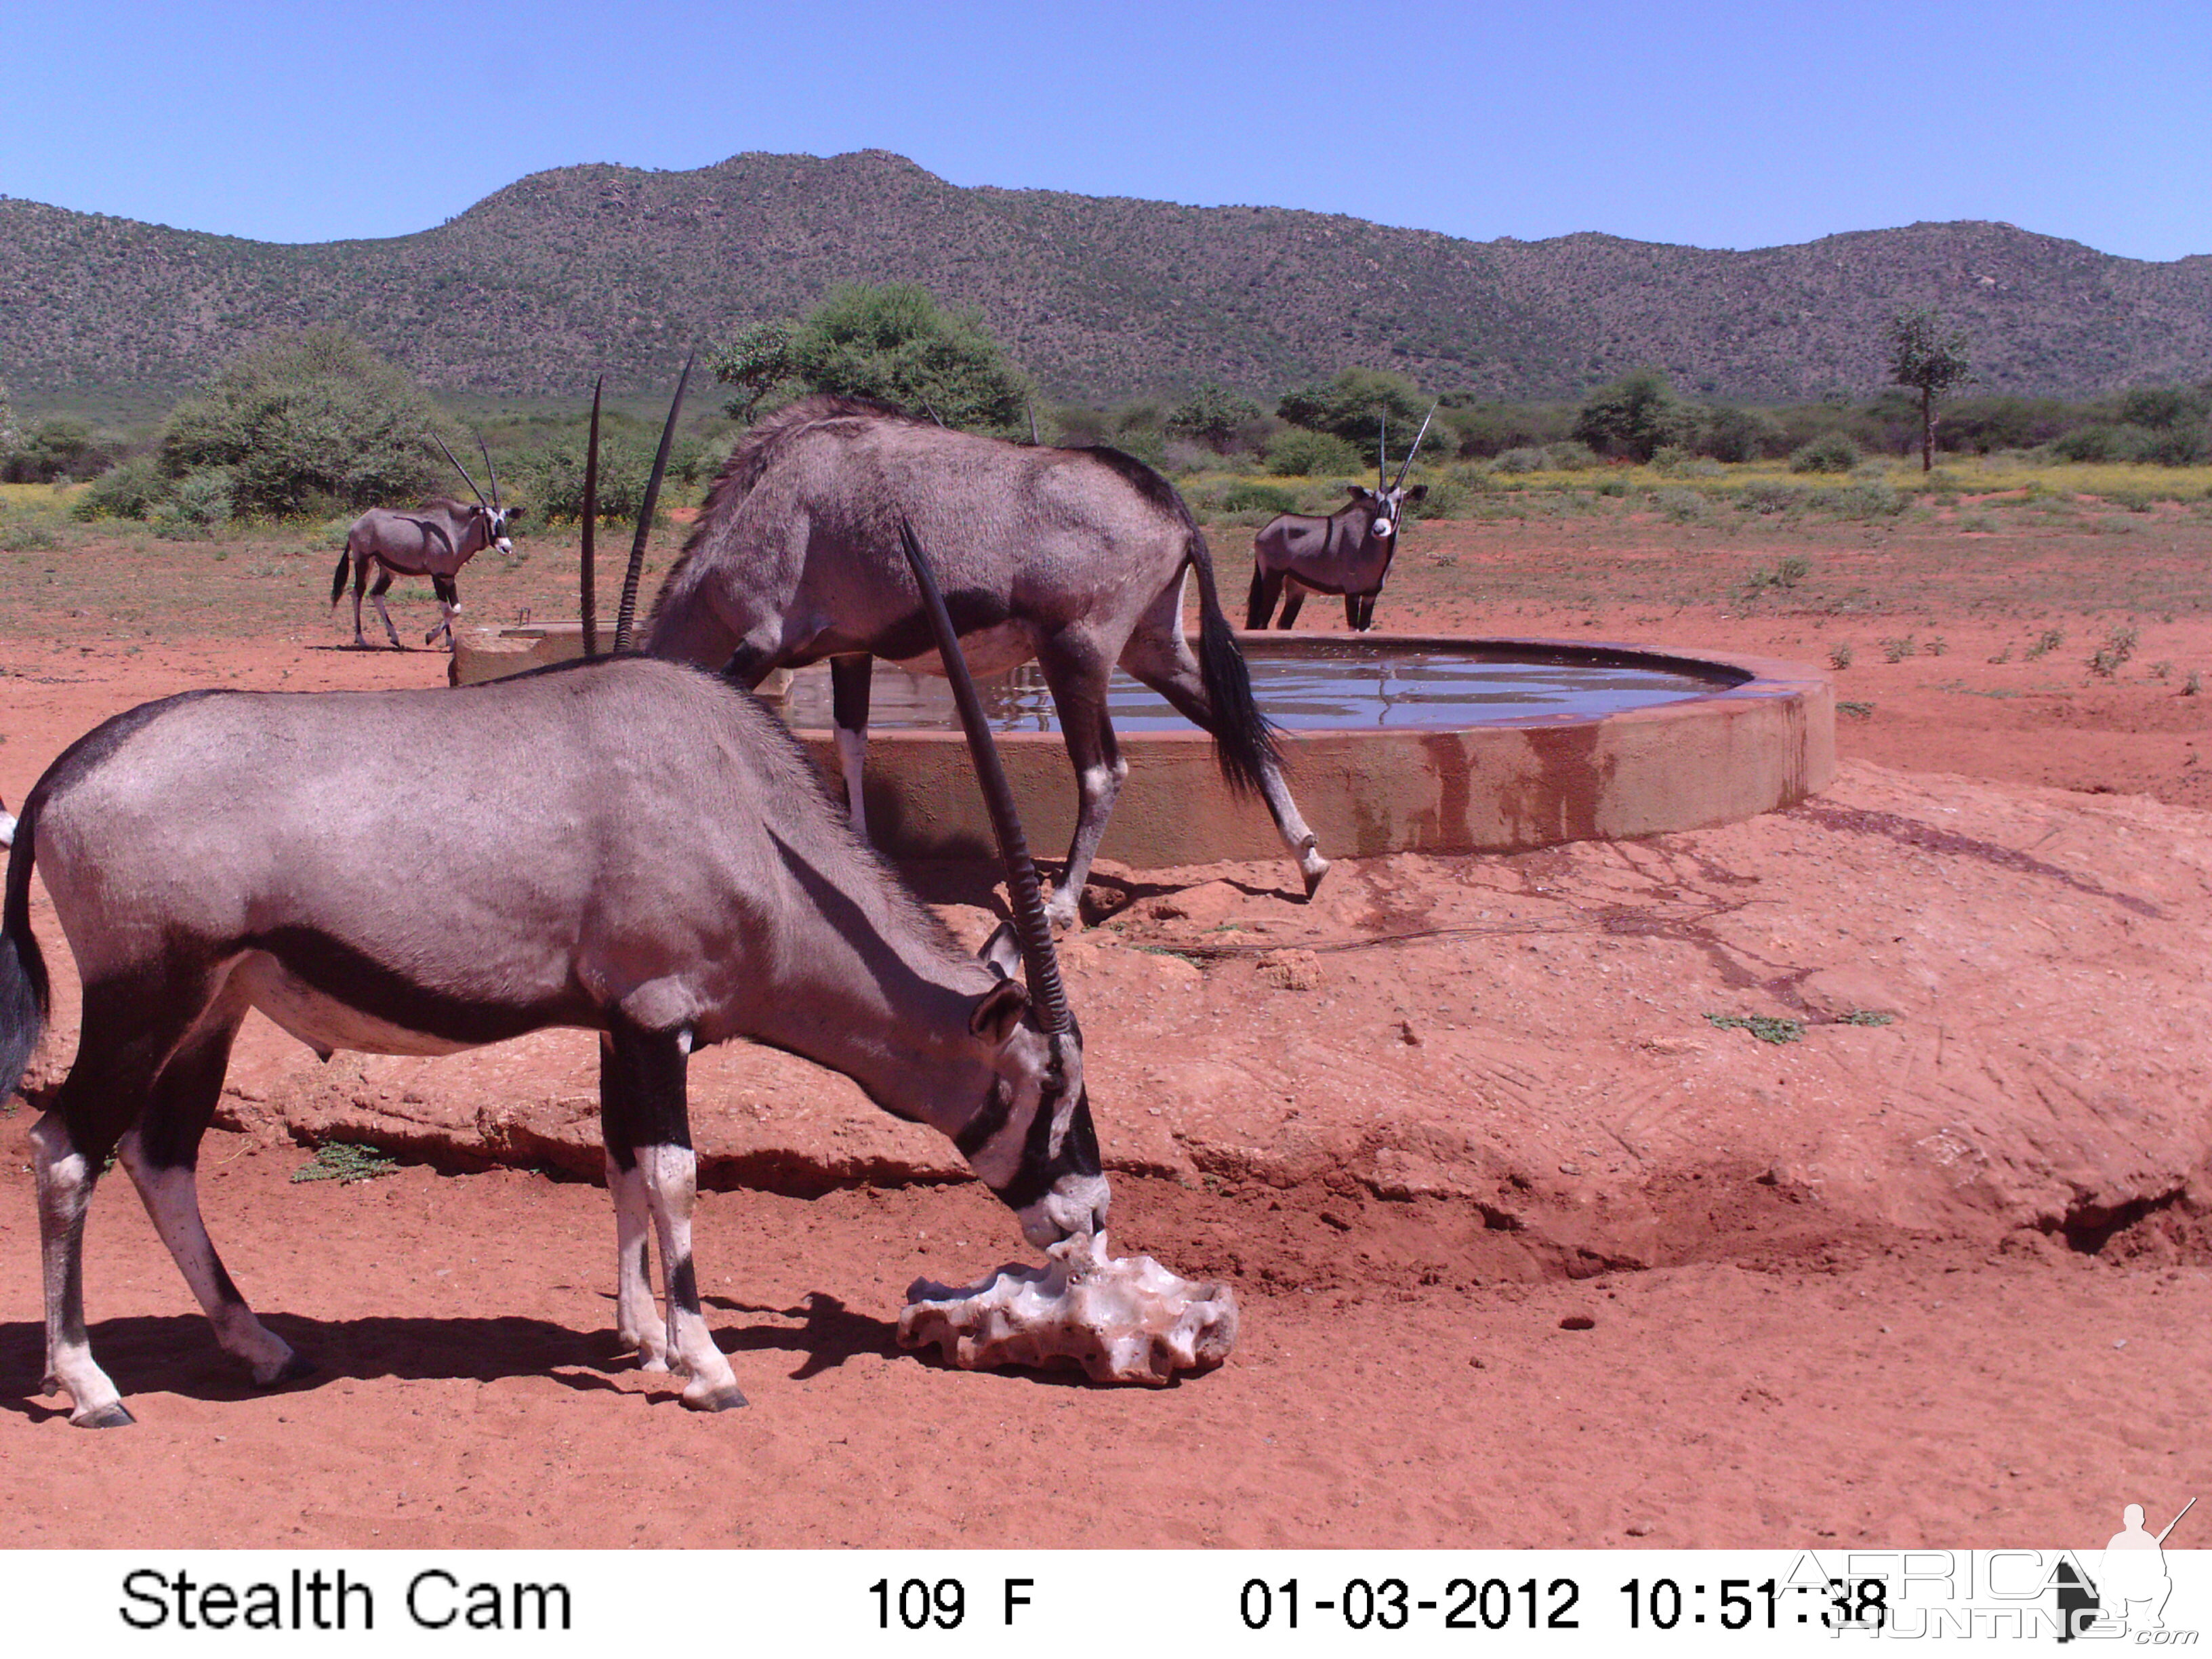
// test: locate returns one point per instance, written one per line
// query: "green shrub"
(1635, 416)
(1222, 420)
(1832, 452)
(1739, 434)
(1871, 498)
(2178, 446)
(196, 504)
(1447, 499)
(1297, 452)
(128, 490)
(56, 451)
(1353, 405)
(1772, 496)
(890, 341)
(551, 477)
(26, 532)
(1247, 497)
(305, 420)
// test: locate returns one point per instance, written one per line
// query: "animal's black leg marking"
(638, 1325)
(161, 1155)
(1077, 675)
(449, 600)
(849, 701)
(360, 587)
(1289, 616)
(130, 1025)
(642, 1095)
(376, 598)
(1267, 588)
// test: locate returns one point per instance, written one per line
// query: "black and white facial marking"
(1385, 507)
(496, 519)
(1032, 1141)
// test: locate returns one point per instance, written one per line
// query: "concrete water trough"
(1394, 743)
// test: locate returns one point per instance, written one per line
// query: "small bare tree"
(1931, 357)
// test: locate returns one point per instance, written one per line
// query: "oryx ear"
(1002, 951)
(1358, 492)
(1418, 493)
(514, 514)
(998, 1010)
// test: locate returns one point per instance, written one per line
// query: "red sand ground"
(1941, 1282)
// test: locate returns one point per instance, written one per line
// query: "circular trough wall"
(1765, 741)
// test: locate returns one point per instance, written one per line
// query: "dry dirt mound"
(1966, 1010)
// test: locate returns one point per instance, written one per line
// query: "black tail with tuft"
(1243, 738)
(338, 580)
(23, 991)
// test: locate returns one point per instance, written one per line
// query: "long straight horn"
(1023, 888)
(491, 473)
(1416, 449)
(588, 580)
(627, 614)
(1381, 452)
(463, 471)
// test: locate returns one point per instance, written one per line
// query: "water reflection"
(1317, 689)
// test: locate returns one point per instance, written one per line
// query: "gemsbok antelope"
(628, 846)
(434, 540)
(1076, 557)
(1348, 552)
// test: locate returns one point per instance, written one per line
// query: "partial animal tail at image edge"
(23, 988)
(338, 579)
(1245, 743)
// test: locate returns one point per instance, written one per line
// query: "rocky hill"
(534, 288)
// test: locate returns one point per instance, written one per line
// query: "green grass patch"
(342, 1160)
(1765, 1027)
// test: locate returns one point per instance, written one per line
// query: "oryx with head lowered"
(628, 846)
(434, 540)
(1348, 552)
(1076, 557)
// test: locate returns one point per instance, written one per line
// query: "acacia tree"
(1354, 404)
(890, 341)
(1637, 413)
(1215, 418)
(304, 419)
(1930, 358)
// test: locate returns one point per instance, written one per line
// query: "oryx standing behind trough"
(628, 846)
(434, 540)
(1348, 552)
(1073, 556)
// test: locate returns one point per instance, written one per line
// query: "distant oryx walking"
(630, 846)
(1076, 557)
(435, 540)
(1348, 552)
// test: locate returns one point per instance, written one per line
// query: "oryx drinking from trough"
(628, 846)
(1348, 552)
(1076, 557)
(434, 540)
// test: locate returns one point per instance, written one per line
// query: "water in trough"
(1317, 686)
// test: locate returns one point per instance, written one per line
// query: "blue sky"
(1721, 125)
